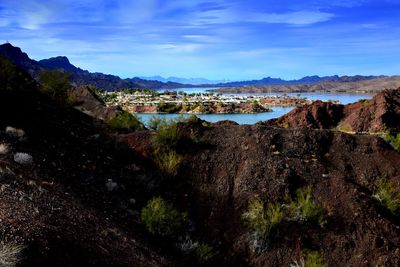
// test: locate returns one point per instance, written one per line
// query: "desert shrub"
(387, 195)
(109, 97)
(304, 208)
(314, 259)
(124, 121)
(10, 254)
(168, 161)
(255, 217)
(161, 218)
(155, 123)
(394, 140)
(310, 259)
(203, 252)
(344, 127)
(260, 219)
(55, 84)
(187, 245)
(167, 137)
(14, 79)
(167, 140)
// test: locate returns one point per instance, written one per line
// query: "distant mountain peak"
(60, 62)
(18, 57)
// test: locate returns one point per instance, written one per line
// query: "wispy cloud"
(218, 39)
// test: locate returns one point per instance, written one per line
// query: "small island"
(172, 102)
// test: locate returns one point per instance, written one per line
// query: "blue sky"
(217, 39)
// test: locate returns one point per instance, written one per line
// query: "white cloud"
(293, 18)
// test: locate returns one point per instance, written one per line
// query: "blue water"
(343, 98)
(254, 118)
(239, 118)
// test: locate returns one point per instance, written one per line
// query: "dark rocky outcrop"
(87, 101)
(60, 62)
(380, 114)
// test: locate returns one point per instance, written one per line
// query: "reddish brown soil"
(60, 209)
(243, 162)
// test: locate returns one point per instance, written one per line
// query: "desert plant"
(260, 219)
(255, 217)
(13, 78)
(55, 84)
(155, 123)
(394, 140)
(304, 208)
(387, 195)
(314, 259)
(161, 218)
(124, 120)
(203, 252)
(167, 136)
(168, 161)
(310, 259)
(274, 215)
(10, 254)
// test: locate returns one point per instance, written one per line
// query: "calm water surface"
(239, 118)
(254, 118)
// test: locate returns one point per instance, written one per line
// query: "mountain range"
(78, 76)
(305, 80)
(112, 82)
(192, 81)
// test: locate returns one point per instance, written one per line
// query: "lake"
(254, 118)
(239, 118)
(343, 98)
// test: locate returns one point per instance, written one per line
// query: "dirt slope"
(57, 204)
(241, 162)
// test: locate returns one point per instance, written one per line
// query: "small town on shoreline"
(148, 101)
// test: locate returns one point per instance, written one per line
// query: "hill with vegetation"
(78, 191)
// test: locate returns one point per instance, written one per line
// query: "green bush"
(55, 84)
(155, 123)
(314, 259)
(168, 161)
(124, 121)
(394, 140)
(260, 219)
(304, 208)
(167, 137)
(161, 218)
(203, 252)
(387, 195)
(14, 79)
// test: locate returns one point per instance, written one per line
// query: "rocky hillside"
(230, 165)
(380, 114)
(73, 190)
